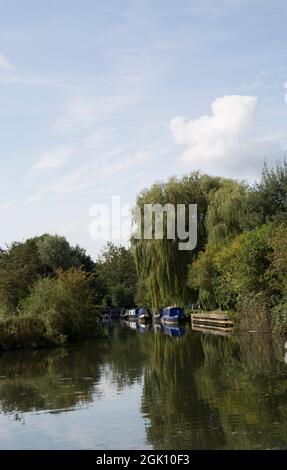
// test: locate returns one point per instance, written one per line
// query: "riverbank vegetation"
(52, 293)
(240, 262)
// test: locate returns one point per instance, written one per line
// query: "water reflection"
(173, 330)
(178, 389)
(157, 327)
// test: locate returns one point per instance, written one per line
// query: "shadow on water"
(198, 391)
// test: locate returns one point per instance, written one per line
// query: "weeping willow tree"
(227, 211)
(161, 266)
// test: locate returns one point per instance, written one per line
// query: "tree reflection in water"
(199, 391)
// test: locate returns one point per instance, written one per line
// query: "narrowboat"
(140, 314)
(172, 314)
(144, 315)
(132, 314)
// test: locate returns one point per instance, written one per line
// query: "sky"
(103, 98)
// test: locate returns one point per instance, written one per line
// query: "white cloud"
(5, 64)
(219, 143)
(210, 135)
(53, 159)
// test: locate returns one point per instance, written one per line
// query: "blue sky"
(101, 98)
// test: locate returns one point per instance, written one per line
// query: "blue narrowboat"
(140, 314)
(172, 314)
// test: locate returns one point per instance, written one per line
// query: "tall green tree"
(117, 273)
(20, 267)
(270, 193)
(54, 252)
(161, 266)
(65, 303)
(22, 264)
(226, 211)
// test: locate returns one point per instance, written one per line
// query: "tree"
(20, 267)
(54, 252)
(81, 259)
(116, 271)
(277, 272)
(226, 211)
(161, 267)
(202, 276)
(242, 266)
(270, 196)
(22, 264)
(65, 303)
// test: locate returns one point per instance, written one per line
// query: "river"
(139, 389)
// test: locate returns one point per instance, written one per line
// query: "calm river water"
(136, 389)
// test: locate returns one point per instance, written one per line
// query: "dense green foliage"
(117, 273)
(51, 292)
(20, 266)
(65, 303)
(161, 266)
(23, 263)
(241, 252)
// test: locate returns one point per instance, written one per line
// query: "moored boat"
(172, 314)
(144, 315)
(132, 314)
(140, 314)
